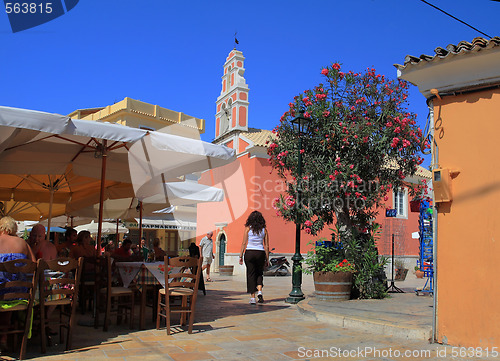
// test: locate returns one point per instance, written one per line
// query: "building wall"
(402, 228)
(250, 184)
(468, 233)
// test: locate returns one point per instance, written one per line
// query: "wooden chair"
(181, 285)
(19, 294)
(59, 282)
(118, 299)
(87, 287)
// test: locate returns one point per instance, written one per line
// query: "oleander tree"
(361, 142)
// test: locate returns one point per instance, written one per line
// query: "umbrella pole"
(101, 197)
(47, 235)
(71, 221)
(140, 222)
(117, 235)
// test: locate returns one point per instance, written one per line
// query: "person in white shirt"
(206, 245)
(255, 250)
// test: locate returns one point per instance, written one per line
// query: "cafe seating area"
(47, 294)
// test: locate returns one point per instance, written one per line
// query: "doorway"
(222, 248)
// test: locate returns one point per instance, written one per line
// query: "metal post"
(296, 294)
(392, 288)
(101, 194)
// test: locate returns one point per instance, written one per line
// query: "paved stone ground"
(228, 328)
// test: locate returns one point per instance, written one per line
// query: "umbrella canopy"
(68, 221)
(132, 155)
(107, 228)
(35, 197)
(108, 152)
(175, 194)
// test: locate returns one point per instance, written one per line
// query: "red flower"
(324, 71)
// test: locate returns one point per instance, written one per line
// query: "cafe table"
(147, 274)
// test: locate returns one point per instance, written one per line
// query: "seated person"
(69, 241)
(11, 248)
(83, 246)
(41, 246)
(124, 253)
(158, 252)
(110, 247)
(135, 250)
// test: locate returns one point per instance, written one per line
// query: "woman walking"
(255, 248)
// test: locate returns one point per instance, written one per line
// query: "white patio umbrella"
(102, 151)
(106, 228)
(176, 194)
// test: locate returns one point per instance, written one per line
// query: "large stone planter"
(332, 286)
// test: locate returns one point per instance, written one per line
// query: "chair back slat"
(22, 276)
(60, 278)
(185, 277)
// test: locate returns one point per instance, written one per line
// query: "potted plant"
(418, 272)
(400, 269)
(331, 272)
(415, 204)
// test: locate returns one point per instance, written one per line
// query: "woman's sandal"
(209, 280)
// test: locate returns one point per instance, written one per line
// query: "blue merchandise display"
(425, 261)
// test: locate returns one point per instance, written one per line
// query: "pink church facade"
(251, 184)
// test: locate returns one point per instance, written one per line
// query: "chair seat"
(15, 308)
(178, 291)
(115, 291)
(62, 301)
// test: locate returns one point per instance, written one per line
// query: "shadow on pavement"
(219, 304)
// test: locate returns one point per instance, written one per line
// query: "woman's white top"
(256, 240)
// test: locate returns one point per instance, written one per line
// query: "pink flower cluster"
(395, 142)
(290, 201)
(282, 154)
(321, 97)
(306, 101)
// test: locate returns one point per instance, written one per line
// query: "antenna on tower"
(236, 42)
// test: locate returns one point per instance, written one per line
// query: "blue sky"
(171, 53)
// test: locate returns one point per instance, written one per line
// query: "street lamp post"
(300, 125)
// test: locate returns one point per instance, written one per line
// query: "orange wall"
(468, 239)
(250, 185)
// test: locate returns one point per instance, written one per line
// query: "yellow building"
(175, 233)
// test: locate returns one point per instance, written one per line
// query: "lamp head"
(300, 123)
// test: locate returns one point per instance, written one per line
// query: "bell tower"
(232, 103)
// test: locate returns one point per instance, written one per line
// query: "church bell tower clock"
(232, 103)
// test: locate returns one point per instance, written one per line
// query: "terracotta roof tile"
(258, 136)
(463, 47)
